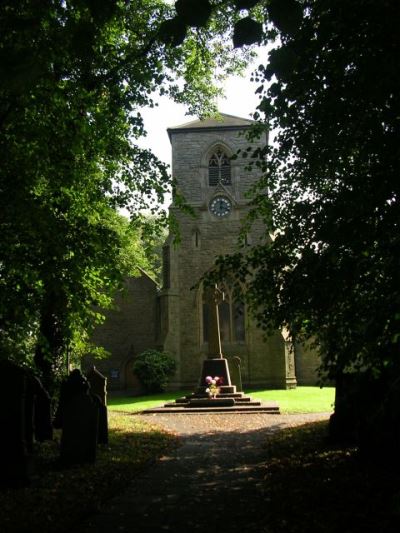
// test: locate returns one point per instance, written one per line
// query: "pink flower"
(209, 379)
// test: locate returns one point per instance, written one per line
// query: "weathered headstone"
(79, 430)
(98, 389)
(15, 459)
(78, 417)
(98, 384)
(236, 372)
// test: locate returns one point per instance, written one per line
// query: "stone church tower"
(174, 317)
(215, 188)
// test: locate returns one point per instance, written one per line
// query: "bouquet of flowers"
(212, 385)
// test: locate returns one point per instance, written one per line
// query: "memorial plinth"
(214, 402)
(215, 367)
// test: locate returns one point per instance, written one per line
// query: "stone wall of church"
(128, 330)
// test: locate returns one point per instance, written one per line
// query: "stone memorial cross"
(214, 296)
(215, 364)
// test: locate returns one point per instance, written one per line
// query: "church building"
(173, 317)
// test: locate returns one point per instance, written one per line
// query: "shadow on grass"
(272, 480)
(316, 486)
(298, 482)
(59, 498)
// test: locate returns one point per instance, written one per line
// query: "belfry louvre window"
(219, 169)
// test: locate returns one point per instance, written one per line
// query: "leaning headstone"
(102, 430)
(77, 415)
(74, 384)
(98, 389)
(79, 430)
(98, 384)
(15, 459)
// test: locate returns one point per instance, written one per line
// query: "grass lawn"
(57, 499)
(300, 400)
(138, 403)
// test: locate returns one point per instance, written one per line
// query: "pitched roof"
(221, 121)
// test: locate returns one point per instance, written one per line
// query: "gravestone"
(236, 372)
(79, 430)
(98, 384)
(98, 389)
(15, 460)
(78, 416)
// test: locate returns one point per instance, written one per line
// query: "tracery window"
(231, 316)
(219, 169)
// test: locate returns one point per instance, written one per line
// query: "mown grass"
(300, 400)
(59, 498)
(315, 486)
(139, 403)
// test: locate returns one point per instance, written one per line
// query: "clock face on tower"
(220, 206)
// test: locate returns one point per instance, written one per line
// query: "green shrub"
(153, 368)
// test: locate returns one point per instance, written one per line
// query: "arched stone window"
(231, 316)
(219, 168)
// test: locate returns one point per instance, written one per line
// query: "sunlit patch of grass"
(299, 400)
(139, 403)
(59, 498)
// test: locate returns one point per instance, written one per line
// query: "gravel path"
(212, 482)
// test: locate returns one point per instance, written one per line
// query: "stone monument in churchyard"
(25, 417)
(98, 390)
(78, 416)
(215, 392)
